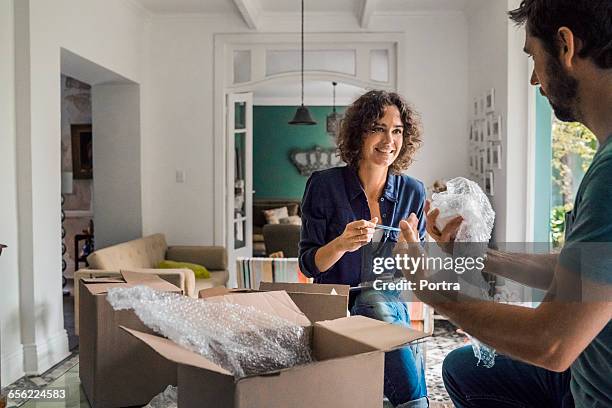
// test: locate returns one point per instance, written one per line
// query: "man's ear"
(567, 46)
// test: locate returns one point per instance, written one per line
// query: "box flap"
(102, 280)
(380, 335)
(173, 352)
(149, 279)
(100, 288)
(211, 292)
(324, 289)
(274, 303)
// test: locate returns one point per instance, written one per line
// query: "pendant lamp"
(334, 118)
(302, 115)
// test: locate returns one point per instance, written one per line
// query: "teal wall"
(274, 176)
(543, 169)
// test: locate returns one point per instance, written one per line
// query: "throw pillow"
(274, 215)
(199, 271)
(292, 219)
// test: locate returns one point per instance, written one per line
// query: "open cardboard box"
(347, 372)
(116, 370)
(317, 301)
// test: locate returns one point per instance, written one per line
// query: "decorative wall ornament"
(314, 159)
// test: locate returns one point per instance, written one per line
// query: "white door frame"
(225, 44)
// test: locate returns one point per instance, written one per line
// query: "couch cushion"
(293, 208)
(217, 278)
(145, 252)
(199, 271)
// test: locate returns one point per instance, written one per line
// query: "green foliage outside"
(573, 148)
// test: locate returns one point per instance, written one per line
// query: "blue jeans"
(404, 383)
(508, 384)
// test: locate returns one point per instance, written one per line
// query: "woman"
(341, 207)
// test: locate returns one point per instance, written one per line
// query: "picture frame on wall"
(482, 159)
(481, 105)
(489, 186)
(82, 151)
(496, 128)
(475, 126)
(496, 156)
(490, 101)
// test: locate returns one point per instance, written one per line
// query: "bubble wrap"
(241, 339)
(167, 399)
(465, 198)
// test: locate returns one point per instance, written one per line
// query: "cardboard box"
(348, 371)
(116, 370)
(317, 301)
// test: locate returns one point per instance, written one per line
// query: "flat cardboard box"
(317, 301)
(347, 372)
(116, 370)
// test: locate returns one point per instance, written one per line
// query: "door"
(239, 181)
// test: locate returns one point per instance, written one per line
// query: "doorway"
(100, 167)
(250, 63)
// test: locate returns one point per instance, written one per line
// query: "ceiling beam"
(249, 9)
(365, 12)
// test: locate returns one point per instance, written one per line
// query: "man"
(560, 353)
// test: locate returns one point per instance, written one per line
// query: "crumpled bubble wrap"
(465, 198)
(241, 339)
(167, 399)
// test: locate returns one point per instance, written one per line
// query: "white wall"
(180, 136)
(496, 61)
(11, 357)
(111, 34)
(117, 198)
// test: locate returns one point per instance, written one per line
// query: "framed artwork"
(496, 156)
(488, 183)
(481, 161)
(490, 101)
(82, 151)
(496, 128)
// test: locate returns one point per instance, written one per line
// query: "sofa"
(283, 238)
(259, 219)
(144, 254)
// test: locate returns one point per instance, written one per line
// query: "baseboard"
(41, 356)
(11, 365)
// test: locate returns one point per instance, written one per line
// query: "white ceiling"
(287, 6)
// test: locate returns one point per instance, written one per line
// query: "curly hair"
(589, 20)
(361, 116)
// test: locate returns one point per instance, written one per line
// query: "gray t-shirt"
(588, 251)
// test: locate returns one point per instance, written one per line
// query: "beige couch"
(144, 254)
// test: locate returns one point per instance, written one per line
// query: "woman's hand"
(356, 234)
(410, 230)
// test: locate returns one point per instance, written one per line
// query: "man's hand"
(356, 234)
(448, 234)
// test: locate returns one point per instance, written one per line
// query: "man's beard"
(562, 92)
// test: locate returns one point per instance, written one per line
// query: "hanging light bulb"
(302, 115)
(334, 118)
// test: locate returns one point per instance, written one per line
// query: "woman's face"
(382, 143)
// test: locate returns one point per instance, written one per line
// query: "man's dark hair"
(589, 20)
(361, 116)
